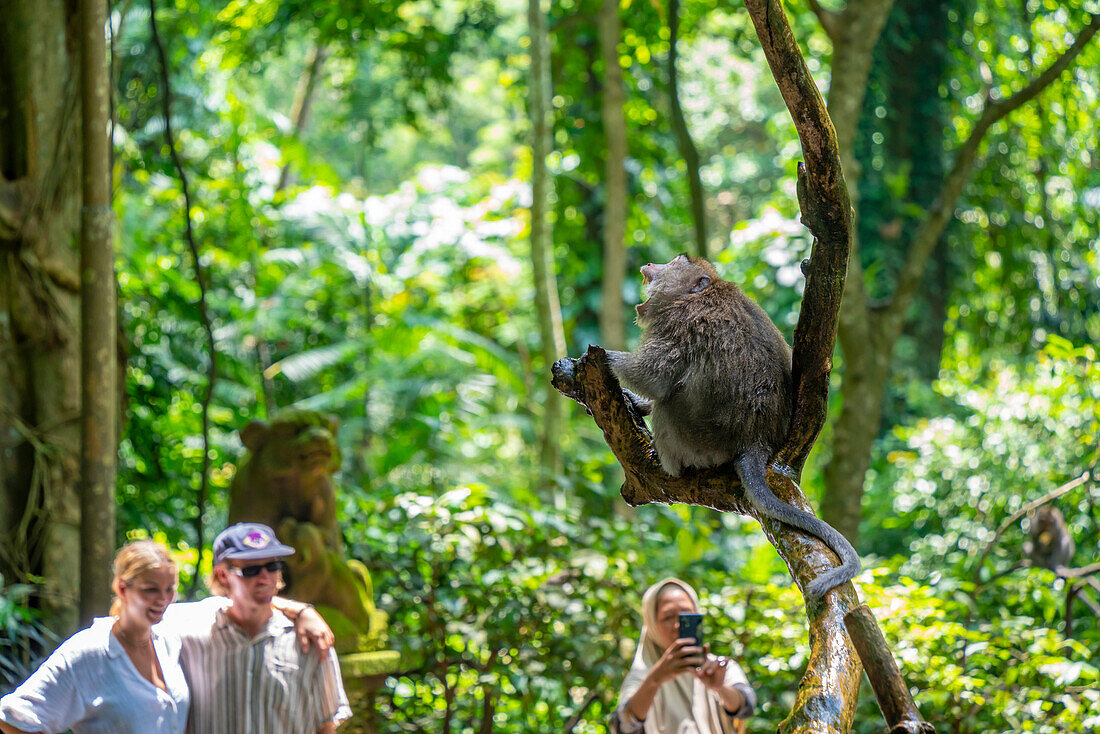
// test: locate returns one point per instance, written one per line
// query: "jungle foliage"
(373, 263)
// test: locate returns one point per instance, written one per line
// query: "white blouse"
(90, 685)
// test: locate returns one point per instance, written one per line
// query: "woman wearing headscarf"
(674, 686)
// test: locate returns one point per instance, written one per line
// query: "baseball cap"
(248, 541)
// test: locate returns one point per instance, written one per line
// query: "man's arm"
(327, 696)
(328, 728)
(187, 618)
(309, 625)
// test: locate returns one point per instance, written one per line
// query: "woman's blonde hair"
(136, 559)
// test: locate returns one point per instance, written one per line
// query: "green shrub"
(24, 640)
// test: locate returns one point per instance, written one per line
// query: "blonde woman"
(118, 676)
(674, 686)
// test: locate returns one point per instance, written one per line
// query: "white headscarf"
(682, 705)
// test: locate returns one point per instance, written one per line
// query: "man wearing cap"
(242, 660)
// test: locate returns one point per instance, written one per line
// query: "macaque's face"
(1048, 525)
(651, 271)
(679, 277)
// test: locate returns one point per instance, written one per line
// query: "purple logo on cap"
(256, 539)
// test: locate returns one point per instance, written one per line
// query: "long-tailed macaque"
(1051, 543)
(715, 375)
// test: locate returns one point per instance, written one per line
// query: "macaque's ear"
(702, 282)
(253, 435)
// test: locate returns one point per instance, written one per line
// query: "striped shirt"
(258, 685)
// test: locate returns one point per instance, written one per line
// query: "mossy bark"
(99, 404)
(40, 164)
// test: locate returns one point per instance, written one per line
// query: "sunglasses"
(249, 572)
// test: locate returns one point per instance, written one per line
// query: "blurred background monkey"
(1051, 545)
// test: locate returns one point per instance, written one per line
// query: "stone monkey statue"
(1051, 545)
(288, 473)
(714, 374)
(285, 481)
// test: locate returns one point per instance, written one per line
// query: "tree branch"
(1080, 573)
(924, 242)
(893, 695)
(576, 717)
(827, 212)
(303, 101)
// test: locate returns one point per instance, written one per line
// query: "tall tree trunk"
(926, 123)
(684, 142)
(98, 371)
(868, 334)
(551, 331)
(866, 367)
(612, 328)
(40, 301)
(303, 103)
(854, 39)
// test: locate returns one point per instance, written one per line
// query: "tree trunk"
(684, 142)
(551, 331)
(303, 103)
(862, 390)
(612, 328)
(861, 387)
(918, 126)
(868, 335)
(99, 404)
(40, 161)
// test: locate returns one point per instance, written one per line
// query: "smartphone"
(689, 627)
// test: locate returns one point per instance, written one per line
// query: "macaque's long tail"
(752, 468)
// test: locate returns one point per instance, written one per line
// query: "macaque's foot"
(564, 369)
(644, 406)
(564, 379)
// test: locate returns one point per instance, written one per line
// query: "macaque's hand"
(312, 630)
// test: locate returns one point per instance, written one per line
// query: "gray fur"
(716, 373)
(1051, 544)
